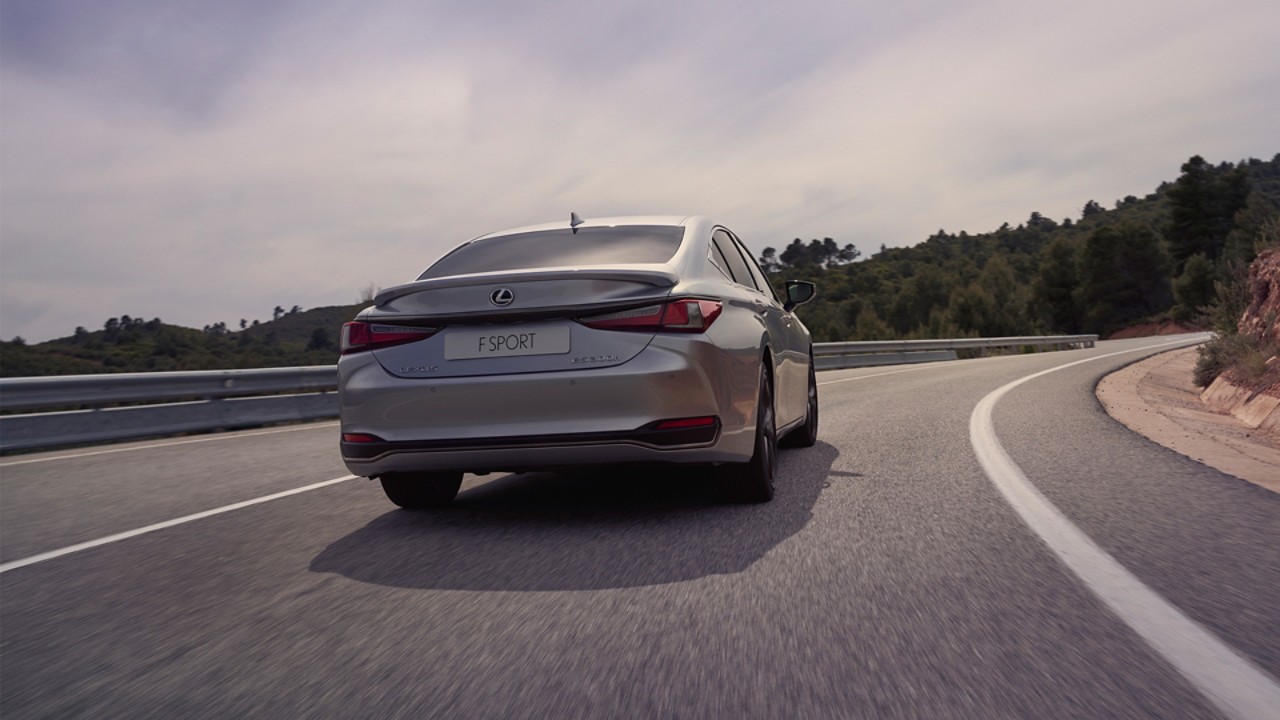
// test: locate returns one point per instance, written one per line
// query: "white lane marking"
(1231, 682)
(149, 446)
(15, 564)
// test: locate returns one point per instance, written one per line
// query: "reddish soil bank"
(1165, 327)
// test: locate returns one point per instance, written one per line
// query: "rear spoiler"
(655, 277)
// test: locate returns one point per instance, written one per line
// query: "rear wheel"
(807, 434)
(752, 481)
(419, 491)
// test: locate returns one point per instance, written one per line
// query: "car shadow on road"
(585, 530)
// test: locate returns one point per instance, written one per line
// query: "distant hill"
(135, 345)
(300, 327)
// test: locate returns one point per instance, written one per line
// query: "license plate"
(512, 341)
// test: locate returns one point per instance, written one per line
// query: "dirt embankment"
(1261, 319)
(1251, 390)
(1164, 327)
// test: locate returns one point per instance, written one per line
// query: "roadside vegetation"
(1175, 257)
(1245, 316)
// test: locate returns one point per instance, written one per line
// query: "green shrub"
(1220, 353)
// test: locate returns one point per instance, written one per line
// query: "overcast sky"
(206, 161)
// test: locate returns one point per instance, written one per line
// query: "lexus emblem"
(502, 297)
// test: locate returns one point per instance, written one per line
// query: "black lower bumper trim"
(660, 439)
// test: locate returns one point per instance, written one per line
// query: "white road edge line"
(149, 446)
(1230, 681)
(15, 564)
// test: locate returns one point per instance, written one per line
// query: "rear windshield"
(561, 248)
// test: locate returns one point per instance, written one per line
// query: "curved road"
(891, 576)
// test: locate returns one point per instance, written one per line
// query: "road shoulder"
(1157, 399)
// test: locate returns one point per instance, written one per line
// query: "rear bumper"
(548, 420)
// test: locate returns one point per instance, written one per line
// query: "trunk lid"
(533, 293)
(515, 322)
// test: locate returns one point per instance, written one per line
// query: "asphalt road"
(890, 577)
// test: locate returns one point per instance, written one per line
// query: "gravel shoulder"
(1157, 399)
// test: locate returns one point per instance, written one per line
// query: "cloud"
(178, 56)
(329, 146)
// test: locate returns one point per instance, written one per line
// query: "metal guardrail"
(229, 399)
(210, 400)
(29, 393)
(904, 346)
(842, 362)
(838, 355)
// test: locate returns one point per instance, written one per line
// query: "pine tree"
(1056, 287)
(1125, 277)
(1203, 203)
(1193, 290)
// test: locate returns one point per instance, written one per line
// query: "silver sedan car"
(609, 341)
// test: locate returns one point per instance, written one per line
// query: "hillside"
(1157, 257)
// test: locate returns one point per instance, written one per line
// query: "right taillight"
(360, 336)
(692, 316)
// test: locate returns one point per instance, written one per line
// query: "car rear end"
(527, 350)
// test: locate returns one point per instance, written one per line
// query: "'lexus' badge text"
(502, 297)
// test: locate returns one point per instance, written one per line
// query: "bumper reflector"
(359, 438)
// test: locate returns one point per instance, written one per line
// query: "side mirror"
(799, 292)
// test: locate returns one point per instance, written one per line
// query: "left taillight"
(360, 336)
(692, 316)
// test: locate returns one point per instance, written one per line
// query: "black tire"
(807, 434)
(752, 481)
(420, 491)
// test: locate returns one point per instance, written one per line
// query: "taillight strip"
(359, 336)
(690, 315)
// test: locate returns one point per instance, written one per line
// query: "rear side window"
(717, 258)
(561, 248)
(737, 266)
(762, 283)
